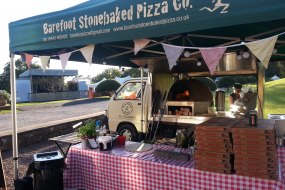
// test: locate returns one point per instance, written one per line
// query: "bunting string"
(262, 49)
(228, 46)
(186, 47)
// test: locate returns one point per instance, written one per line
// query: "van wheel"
(128, 131)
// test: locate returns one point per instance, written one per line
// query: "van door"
(126, 106)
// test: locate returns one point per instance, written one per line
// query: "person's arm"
(231, 100)
(241, 94)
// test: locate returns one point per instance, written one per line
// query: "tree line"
(274, 68)
(21, 67)
(112, 73)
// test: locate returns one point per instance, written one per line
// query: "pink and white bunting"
(140, 44)
(87, 52)
(44, 61)
(263, 49)
(172, 53)
(64, 59)
(212, 56)
(28, 59)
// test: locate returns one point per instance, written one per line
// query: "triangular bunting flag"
(64, 59)
(87, 52)
(172, 54)
(44, 61)
(140, 44)
(212, 56)
(263, 49)
(29, 58)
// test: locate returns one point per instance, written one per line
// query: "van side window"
(131, 91)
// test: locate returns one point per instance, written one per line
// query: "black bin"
(48, 171)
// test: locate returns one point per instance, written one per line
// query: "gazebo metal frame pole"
(142, 101)
(14, 116)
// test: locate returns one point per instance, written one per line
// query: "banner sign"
(118, 18)
(103, 21)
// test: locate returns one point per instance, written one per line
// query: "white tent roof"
(100, 81)
(122, 80)
(275, 77)
(96, 84)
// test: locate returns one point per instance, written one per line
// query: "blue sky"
(13, 10)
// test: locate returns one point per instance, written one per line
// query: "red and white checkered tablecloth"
(119, 169)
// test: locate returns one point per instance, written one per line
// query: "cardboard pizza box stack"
(255, 149)
(214, 145)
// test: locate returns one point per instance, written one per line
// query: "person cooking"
(236, 95)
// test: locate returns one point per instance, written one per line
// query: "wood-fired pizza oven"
(188, 97)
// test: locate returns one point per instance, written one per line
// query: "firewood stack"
(214, 145)
(181, 111)
(255, 149)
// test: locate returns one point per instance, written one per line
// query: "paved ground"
(26, 157)
(38, 114)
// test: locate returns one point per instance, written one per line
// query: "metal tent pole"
(260, 89)
(142, 97)
(14, 116)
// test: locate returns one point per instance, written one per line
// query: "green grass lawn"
(274, 102)
(274, 97)
(33, 103)
(4, 111)
(44, 103)
(39, 103)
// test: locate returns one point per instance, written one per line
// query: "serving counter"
(120, 169)
(182, 120)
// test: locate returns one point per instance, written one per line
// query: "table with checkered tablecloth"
(120, 169)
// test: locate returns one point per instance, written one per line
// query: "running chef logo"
(127, 108)
(218, 4)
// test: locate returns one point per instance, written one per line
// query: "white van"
(124, 110)
(172, 99)
(127, 116)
